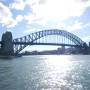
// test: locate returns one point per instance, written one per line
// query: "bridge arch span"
(20, 42)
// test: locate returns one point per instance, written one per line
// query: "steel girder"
(37, 35)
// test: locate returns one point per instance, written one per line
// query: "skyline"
(22, 17)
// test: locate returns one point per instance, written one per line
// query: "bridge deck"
(56, 44)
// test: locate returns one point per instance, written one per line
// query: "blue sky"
(24, 16)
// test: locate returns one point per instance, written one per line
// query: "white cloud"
(71, 27)
(87, 24)
(41, 22)
(56, 9)
(44, 11)
(60, 26)
(86, 38)
(75, 26)
(18, 5)
(31, 30)
(6, 16)
(19, 18)
(30, 17)
(11, 23)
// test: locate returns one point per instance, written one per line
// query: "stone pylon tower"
(7, 44)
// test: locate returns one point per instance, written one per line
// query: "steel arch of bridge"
(22, 42)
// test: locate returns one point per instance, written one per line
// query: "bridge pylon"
(7, 44)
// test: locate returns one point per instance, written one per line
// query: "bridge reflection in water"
(12, 46)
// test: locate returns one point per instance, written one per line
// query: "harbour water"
(46, 72)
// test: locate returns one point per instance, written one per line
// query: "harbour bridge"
(59, 37)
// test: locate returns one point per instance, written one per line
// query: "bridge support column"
(89, 47)
(7, 44)
(89, 44)
(85, 49)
